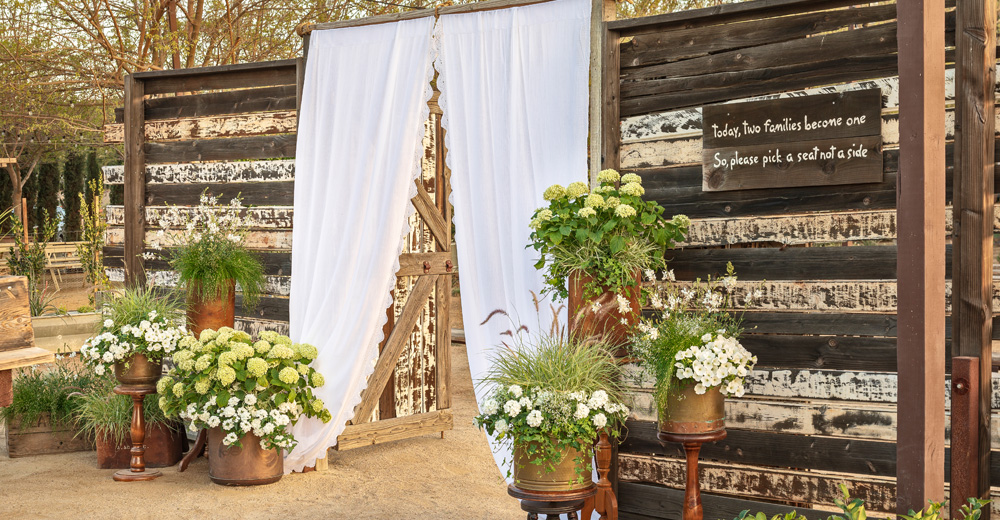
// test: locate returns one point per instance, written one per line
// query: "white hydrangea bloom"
(534, 419)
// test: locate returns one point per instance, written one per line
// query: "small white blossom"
(534, 419)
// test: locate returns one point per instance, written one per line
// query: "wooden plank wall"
(232, 131)
(820, 408)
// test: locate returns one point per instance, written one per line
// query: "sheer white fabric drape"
(364, 103)
(514, 91)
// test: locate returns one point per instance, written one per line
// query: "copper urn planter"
(138, 370)
(538, 477)
(607, 320)
(211, 314)
(246, 465)
(687, 412)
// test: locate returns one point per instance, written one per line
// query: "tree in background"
(30, 192)
(47, 200)
(73, 188)
(94, 173)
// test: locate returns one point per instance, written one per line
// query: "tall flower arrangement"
(609, 233)
(210, 253)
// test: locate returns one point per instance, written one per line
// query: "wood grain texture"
(257, 240)
(387, 430)
(266, 99)
(649, 502)
(218, 173)
(44, 437)
(15, 315)
(135, 181)
(240, 76)
(258, 217)
(443, 342)
(231, 149)
(240, 125)
(11, 359)
(277, 193)
(276, 263)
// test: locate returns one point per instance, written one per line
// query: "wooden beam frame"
(972, 268)
(920, 221)
(488, 5)
(135, 181)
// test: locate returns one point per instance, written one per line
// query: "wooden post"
(920, 261)
(972, 267)
(601, 11)
(135, 182)
(965, 476)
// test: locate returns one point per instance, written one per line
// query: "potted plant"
(246, 394)
(211, 259)
(692, 350)
(594, 245)
(107, 417)
(41, 417)
(140, 327)
(552, 395)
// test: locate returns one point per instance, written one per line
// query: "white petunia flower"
(534, 419)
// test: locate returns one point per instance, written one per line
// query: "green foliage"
(224, 378)
(94, 175)
(28, 260)
(211, 253)
(99, 408)
(84, 309)
(48, 389)
(73, 194)
(854, 509)
(134, 304)
(551, 392)
(91, 248)
(609, 233)
(48, 192)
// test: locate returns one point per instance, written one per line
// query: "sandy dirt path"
(422, 478)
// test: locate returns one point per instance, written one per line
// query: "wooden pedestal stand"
(692, 445)
(552, 503)
(138, 470)
(604, 502)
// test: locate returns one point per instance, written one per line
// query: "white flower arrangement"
(721, 361)
(155, 337)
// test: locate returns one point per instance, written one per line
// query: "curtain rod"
(488, 5)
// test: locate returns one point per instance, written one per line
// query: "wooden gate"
(820, 409)
(231, 130)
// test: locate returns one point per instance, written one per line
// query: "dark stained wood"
(853, 160)
(268, 99)
(253, 193)
(972, 290)
(233, 149)
(276, 263)
(788, 120)
(611, 91)
(15, 316)
(246, 75)
(638, 501)
(920, 227)
(965, 433)
(273, 308)
(135, 181)
(650, 49)
(826, 352)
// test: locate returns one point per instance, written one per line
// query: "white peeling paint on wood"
(255, 326)
(211, 172)
(754, 482)
(273, 285)
(803, 229)
(869, 387)
(677, 123)
(258, 123)
(260, 240)
(259, 217)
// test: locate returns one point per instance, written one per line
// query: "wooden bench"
(59, 256)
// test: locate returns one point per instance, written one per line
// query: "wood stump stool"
(552, 504)
(692, 445)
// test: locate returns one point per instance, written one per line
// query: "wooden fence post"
(601, 11)
(920, 261)
(135, 182)
(972, 267)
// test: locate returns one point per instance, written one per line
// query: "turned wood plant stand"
(137, 472)
(552, 504)
(692, 445)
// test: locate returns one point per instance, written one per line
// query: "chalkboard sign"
(820, 140)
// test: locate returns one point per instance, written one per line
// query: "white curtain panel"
(514, 91)
(364, 103)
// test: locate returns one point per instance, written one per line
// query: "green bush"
(101, 409)
(48, 389)
(854, 509)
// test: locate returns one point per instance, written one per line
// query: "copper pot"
(686, 411)
(567, 475)
(246, 465)
(138, 370)
(607, 320)
(211, 314)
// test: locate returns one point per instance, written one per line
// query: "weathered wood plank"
(260, 217)
(273, 285)
(255, 326)
(261, 240)
(239, 125)
(651, 49)
(387, 430)
(878, 493)
(229, 149)
(822, 322)
(15, 316)
(276, 263)
(134, 180)
(267, 99)
(280, 193)
(11, 359)
(648, 502)
(801, 229)
(211, 173)
(240, 76)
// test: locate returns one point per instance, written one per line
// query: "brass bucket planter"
(246, 465)
(537, 477)
(138, 370)
(211, 314)
(688, 412)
